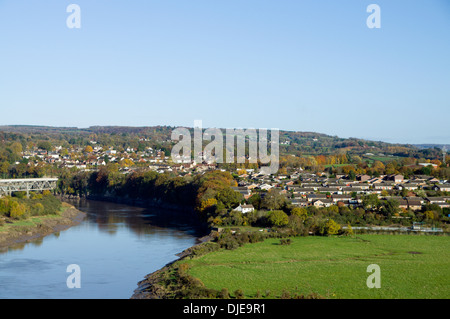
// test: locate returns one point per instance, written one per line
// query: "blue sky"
(291, 64)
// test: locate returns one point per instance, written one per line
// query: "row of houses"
(360, 188)
(413, 203)
(306, 189)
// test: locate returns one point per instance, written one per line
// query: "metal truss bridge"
(8, 186)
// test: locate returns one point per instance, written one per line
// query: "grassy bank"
(12, 224)
(412, 266)
(34, 221)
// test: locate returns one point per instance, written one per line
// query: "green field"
(412, 266)
(383, 159)
(337, 165)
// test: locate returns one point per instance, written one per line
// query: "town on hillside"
(315, 171)
(303, 188)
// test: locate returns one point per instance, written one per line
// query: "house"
(312, 197)
(416, 198)
(442, 187)
(301, 202)
(323, 202)
(443, 205)
(243, 190)
(414, 203)
(347, 190)
(328, 190)
(375, 180)
(293, 188)
(383, 186)
(252, 186)
(433, 180)
(341, 198)
(304, 191)
(265, 187)
(396, 178)
(111, 152)
(427, 164)
(436, 200)
(362, 178)
(315, 186)
(244, 209)
(410, 186)
(361, 186)
(355, 201)
(402, 203)
(356, 189)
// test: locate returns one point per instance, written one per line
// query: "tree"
(126, 162)
(301, 212)
(378, 166)
(371, 201)
(278, 218)
(88, 149)
(429, 214)
(4, 168)
(235, 218)
(16, 148)
(352, 175)
(330, 228)
(206, 204)
(229, 198)
(426, 170)
(255, 200)
(45, 145)
(390, 207)
(273, 200)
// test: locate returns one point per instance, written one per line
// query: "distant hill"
(439, 146)
(291, 142)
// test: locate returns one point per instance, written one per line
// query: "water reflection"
(109, 217)
(116, 246)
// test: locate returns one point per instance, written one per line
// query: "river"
(115, 247)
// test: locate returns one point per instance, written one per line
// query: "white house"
(244, 209)
(265, 187)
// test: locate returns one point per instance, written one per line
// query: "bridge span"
(8, 186)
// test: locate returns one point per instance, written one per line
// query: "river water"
(114, 247)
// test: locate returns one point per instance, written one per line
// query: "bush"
(228, 242)
(4, 206)
(202, 249)
(224, 294)
(52, 205)
(255, 237)
(46, 193)
(37, 209)
(285, 241)
(20, 195)
(239, 294)
(285, 295)
(17, 210)
(348, 231)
